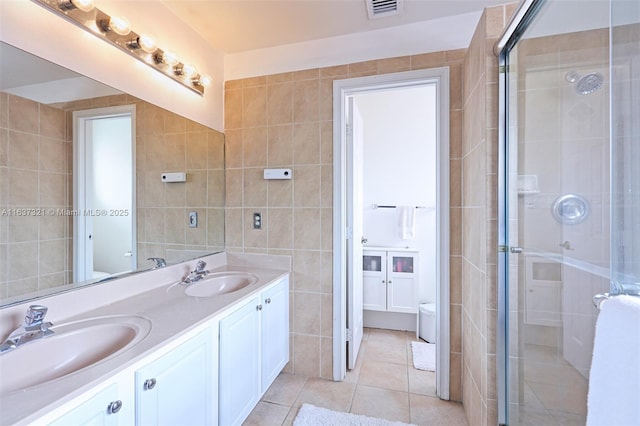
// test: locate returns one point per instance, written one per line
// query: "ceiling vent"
(383, 8)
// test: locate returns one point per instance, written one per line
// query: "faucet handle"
(200, 265)
(35, 314)
(160, 262)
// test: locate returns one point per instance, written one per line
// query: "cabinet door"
(275, 332)
(239, 388)
(402, 286)
(103, 409)
(374, 280)
(179, 387)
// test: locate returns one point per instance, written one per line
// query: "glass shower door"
(558, 209)
(625, 147)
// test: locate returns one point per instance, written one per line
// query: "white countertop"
(171, 314)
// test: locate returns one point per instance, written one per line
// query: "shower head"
(589, 83)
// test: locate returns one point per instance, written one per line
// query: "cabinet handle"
(267, 300)
(114, 407)
(383, 281)
(149, 384)
(259, 308)
(389, 281)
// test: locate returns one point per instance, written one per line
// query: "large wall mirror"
(81, 191)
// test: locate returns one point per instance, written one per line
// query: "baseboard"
(390, 320)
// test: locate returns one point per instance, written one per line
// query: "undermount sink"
(218, 283)
(74, 346)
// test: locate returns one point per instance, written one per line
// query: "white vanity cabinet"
(108, 407)
(177, 388)
(254, 347)
(180, 386)
(274, 332)
(390, 280)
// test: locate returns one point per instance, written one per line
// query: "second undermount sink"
(218, 283)
(74, 346)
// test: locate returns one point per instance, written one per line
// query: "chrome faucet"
(159, 261)
(197, 274)
(32, 329)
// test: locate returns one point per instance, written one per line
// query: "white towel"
(406, 221)
(614, 379)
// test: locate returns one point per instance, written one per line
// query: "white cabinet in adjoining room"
(390, 280)
(254, 348)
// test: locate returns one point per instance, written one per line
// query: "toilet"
(427, 330)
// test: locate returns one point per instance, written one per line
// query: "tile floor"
(384, 384)
(555, 393)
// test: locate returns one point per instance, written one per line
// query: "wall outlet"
(257, 220)
(193, 219)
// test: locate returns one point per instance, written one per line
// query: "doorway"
(104, 207)
(349, 209)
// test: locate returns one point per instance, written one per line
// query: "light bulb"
(84, 5)
(204, 80)
(119, 25)
(189, 70)
(147, 43)
(169, 58)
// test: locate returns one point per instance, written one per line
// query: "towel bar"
(599, 298)
(377, 206)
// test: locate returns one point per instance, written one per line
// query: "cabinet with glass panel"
(390, 280)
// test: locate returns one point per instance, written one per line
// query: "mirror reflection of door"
(104, 194)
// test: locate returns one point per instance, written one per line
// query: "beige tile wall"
(479, 214)
(285, 120)
(34, 177)
(35, 171)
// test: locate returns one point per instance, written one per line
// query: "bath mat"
(424, 355)
(310, 415)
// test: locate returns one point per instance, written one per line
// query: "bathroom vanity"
(148, 349)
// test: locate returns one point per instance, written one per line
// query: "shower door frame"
(525, 13)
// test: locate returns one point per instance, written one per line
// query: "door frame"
(79, 119)
(349, 87)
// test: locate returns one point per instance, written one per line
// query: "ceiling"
(233, 26)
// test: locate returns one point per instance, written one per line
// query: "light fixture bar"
(110, 29)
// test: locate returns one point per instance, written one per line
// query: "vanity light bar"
(115, 31)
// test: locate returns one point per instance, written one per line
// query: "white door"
(354, 223)
(402, 283)
(239, 387)
(103, 409)
(275, 332)
(104, 192)
(374, 280)
(179, 387)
